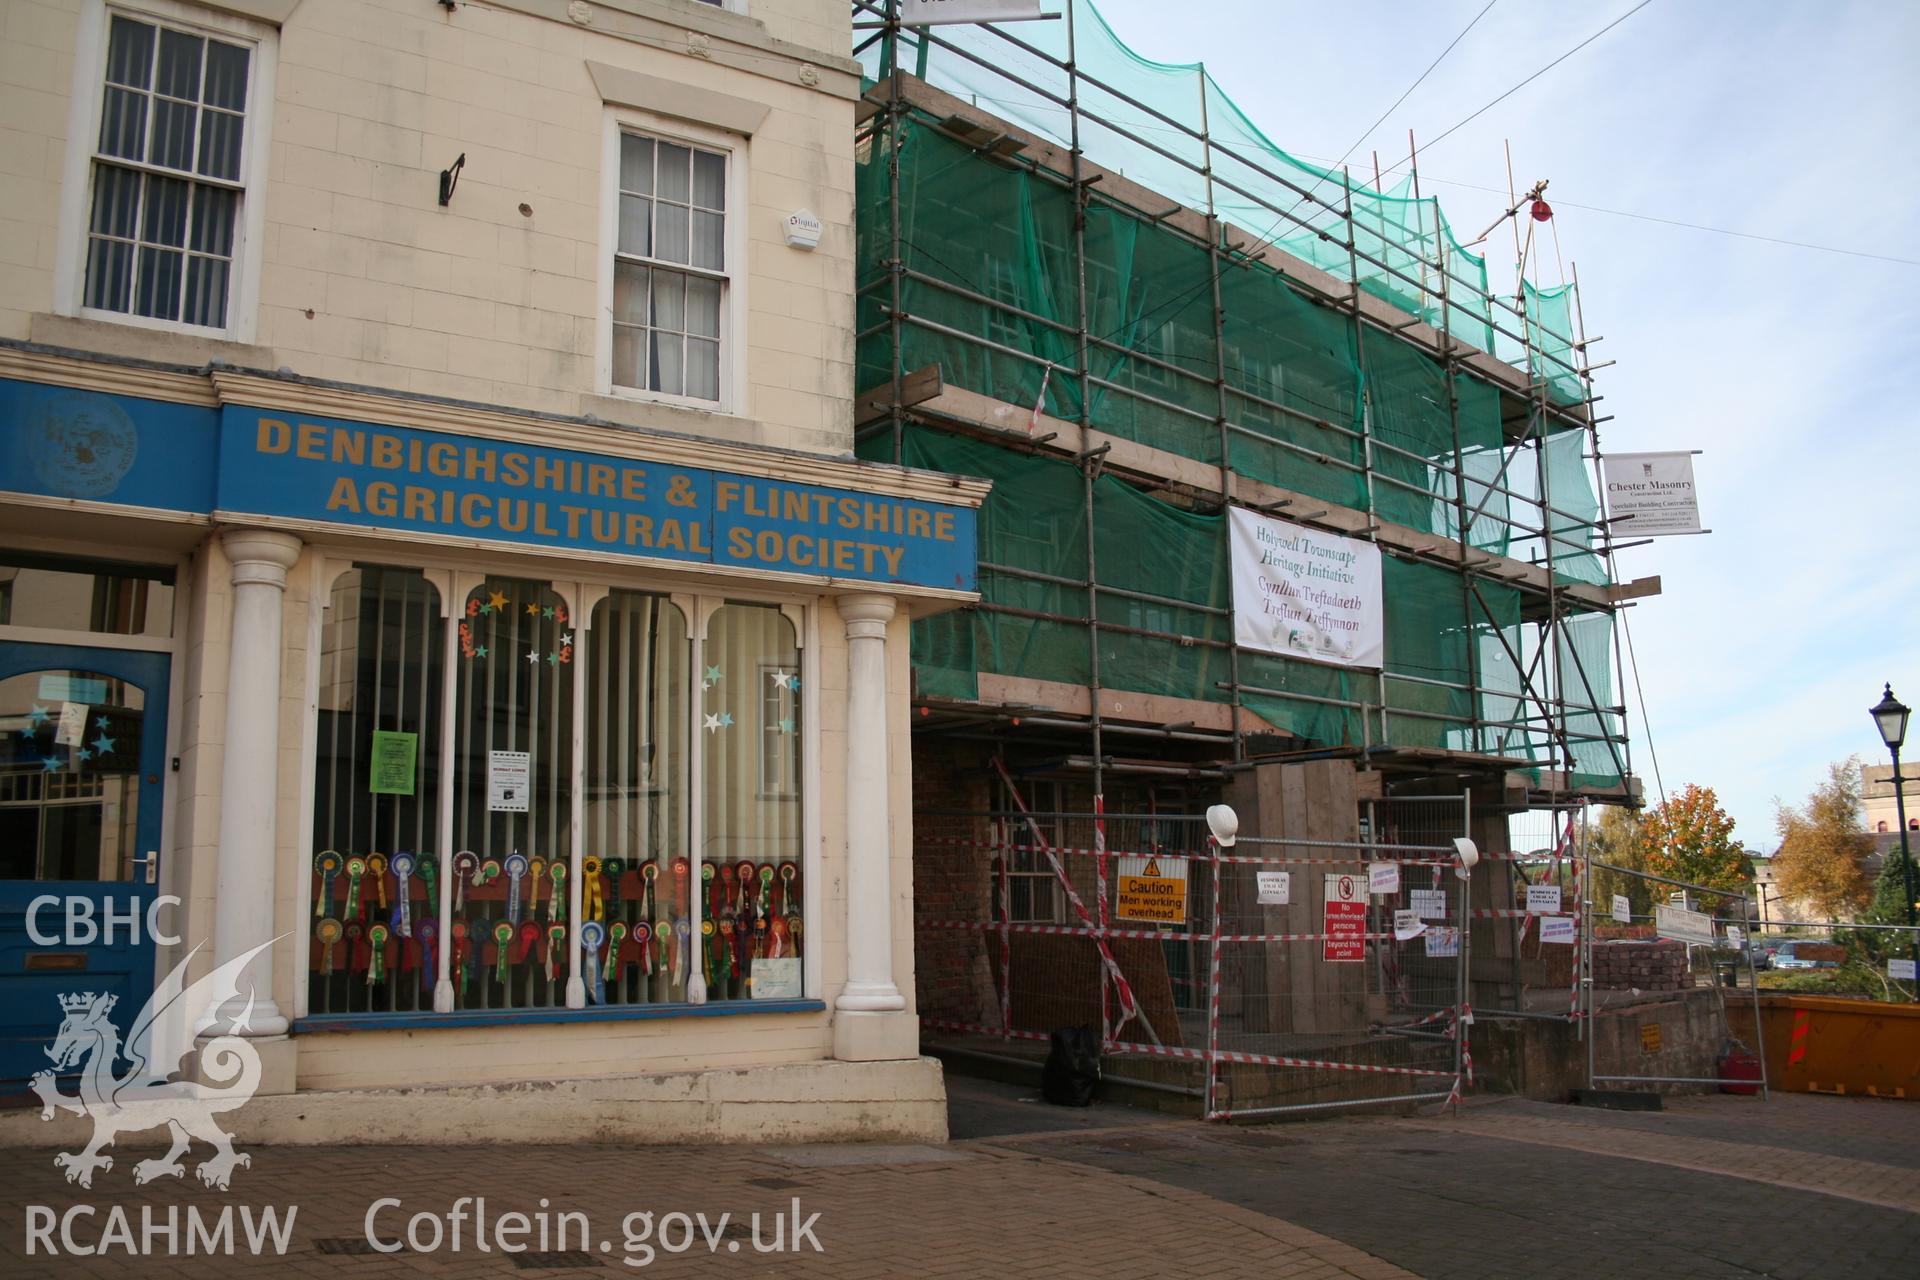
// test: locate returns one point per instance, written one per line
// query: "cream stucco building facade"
(438, 423)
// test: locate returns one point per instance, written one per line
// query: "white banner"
(1306, 594)
(1656, 489)
(932, 13)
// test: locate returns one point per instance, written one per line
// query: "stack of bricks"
(1658, 965)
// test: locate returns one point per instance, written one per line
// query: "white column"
(249, 772)
(867, 1018)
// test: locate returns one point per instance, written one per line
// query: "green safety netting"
(1451, 648)
(1171, 128)
(990, 295)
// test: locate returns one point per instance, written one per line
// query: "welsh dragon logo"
(146, 1096)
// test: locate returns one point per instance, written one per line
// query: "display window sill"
(320, 1022)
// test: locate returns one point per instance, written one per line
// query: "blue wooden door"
(83, 739)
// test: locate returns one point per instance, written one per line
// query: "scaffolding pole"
(1543, 680)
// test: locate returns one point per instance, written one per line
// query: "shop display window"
(667, 902)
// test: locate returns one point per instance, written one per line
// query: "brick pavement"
(884, 1211)
(1525, 1189)
(1868, 1181)
(1818, 1187)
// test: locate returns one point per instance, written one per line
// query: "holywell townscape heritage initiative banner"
(1306, 594)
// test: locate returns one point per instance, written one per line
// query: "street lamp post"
(1890, 717)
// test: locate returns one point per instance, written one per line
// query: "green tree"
(1690, 838)
(1868, 950)
(1822, 848)
(1614, 838)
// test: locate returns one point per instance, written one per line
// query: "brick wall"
(952, 973)
(1658, 965)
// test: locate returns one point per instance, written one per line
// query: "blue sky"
(1792, 369)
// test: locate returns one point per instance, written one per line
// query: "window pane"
(69, 809)
(376, 796)
(674, 164)
(129, 53)
(703, 369)
(206, 301)
(214, 213)
(670, 232)
(179, 65)
(226, 76)
(709, 237)
(158, 291)
(166, 213)
(67, 594)
(173, 133)
(220, 144)
(116, 200)
(709, 180)
(636, 164)
(636, 235)
(123, 124)
(629, 293)
(636, 800)
(629, 356)
(665, 351)
(703, 307)
(669, 300)
(515, 685)
(109, 274)
(750, 705)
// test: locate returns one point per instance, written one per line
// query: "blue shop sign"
(242, 461)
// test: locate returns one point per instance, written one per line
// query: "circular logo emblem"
(82, 445)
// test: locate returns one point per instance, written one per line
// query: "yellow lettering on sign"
(1158, 899)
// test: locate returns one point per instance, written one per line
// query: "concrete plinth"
(875, 1037)
(903, 1101)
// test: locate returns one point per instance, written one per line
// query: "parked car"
(1808, 955)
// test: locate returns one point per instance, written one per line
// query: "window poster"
(392, 770)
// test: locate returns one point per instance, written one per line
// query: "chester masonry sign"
(1651, 494)
(240, 462)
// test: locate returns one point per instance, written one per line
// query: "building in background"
(432, 540)
(1881, 807)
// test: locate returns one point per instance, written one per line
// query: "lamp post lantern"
(1890, 718)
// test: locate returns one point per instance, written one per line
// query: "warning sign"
(1150, 894)
(1345, 919)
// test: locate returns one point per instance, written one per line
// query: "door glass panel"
(85, 595)
(69, 775)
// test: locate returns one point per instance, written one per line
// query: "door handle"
(152, 864)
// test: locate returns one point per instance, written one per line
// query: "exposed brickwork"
(1659, 965)
(950, 882)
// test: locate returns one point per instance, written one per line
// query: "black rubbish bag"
(1073, 1067)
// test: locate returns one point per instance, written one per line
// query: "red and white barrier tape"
(1100, 897)
(1129, 1008)
(1076, 931)
(1357, 858)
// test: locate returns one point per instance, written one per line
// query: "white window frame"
(733, 294)
(83, 133)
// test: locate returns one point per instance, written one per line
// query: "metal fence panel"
(1193, 962)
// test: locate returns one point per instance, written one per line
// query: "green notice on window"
(393, 756)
